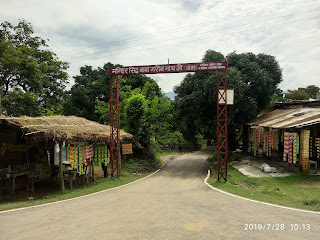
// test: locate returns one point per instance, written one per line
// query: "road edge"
(88, 195)
(252, 200)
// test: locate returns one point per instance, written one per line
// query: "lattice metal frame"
(115, 160)
(222, 126)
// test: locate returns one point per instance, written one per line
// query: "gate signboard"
(170, 68)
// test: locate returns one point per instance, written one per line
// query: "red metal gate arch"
(222, 126)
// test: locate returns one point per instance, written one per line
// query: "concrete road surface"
(171, 204)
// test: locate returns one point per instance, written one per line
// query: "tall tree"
(254, 79)
(90, 86)
(299, 94)
(89, 96)
(313, 91)
(28, 65)
(24, 103)
(137, 124)
(261, 73)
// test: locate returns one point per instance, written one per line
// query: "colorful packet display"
(317, 147)
(291, 147)
(101, 154)
(256, 141)
(310, 147)
(80, 161)
(87, 152)
(295, 147)
(286, 145)
(276, 140)
(270, 143)
(80, 156)
(73, 156)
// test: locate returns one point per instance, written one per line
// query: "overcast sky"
(147, 32)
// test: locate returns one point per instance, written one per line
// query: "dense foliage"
(311, 91)
(30, 71)
(89, 96)
(136, 122)
(145, 111)
(254, 79)
(90, 86)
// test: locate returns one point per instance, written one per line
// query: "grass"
(7, 203)
(164, 154)
(129, 172)
(291, 191)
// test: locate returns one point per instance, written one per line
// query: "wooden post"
(61, 167)
(92, 170)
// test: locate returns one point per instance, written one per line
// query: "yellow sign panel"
(127, 148)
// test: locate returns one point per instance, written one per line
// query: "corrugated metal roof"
(289, 118)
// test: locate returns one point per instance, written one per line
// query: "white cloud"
(143, 32)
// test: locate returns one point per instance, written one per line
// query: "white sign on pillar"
(229, 98)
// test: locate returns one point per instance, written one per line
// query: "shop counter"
(15, 181)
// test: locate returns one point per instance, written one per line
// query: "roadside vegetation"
(9, 202)
(130, 172)
(298, 190)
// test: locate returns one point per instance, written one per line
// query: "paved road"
(172, 204)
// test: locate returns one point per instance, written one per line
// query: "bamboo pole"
(61, 167)
(92, 170)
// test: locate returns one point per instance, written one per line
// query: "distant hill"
(170, 95)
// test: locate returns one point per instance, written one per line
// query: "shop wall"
(7, 136)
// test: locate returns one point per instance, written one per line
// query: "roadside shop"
(291, 133)
(53, 149)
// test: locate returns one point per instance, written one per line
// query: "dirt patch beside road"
(167, 159)
(251, 166)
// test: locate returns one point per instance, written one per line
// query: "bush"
(171, 141)
(213, 158)
(145, 162)
(137, 125)
(191, 146)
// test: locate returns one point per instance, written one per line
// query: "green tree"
(277, 96)
(90, 86)
(136, 123)
(299, 94)
(254, 79)
(27, 64)
(313, 91)
(261, 73)
(24, 103)
(89, 96)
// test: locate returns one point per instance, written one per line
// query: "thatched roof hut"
(62, 128)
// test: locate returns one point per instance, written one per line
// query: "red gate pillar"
(222, 126)
(114, 126)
